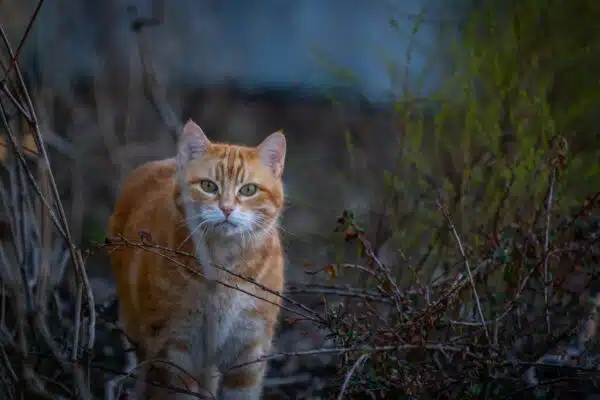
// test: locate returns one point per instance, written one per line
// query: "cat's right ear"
(192, 143)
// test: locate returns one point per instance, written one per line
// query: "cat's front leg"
(173, 367)
(244, 379)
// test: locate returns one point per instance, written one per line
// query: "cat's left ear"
(192, 142)
(272, 152)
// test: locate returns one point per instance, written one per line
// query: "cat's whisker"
(190, 220)
(251, 240)
(285, 230)
(261, 228)
(192, 232)
(264, 224)
(247, 237)
(243, 237)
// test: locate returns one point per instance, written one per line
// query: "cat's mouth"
(225, 224)
(225, 227)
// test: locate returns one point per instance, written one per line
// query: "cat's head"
(233, 190)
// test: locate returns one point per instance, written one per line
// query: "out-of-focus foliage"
(541, 59)
(521, 98)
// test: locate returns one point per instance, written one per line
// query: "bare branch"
(356, 365)
(547, 243)
(467, 267)
(121, 241)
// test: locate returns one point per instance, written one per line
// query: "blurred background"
(387, 105)
(324, 72)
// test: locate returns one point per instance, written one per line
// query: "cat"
(230, 198)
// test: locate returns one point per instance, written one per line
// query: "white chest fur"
(222, 323)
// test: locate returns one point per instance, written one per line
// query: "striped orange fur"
(235, 198)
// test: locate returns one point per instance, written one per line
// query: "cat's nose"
(226, 209)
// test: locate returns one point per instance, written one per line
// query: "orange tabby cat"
(229, 198)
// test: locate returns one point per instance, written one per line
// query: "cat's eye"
(208, 186)
(248, 189)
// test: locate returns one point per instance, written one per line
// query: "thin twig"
(75, 256)
(358, 362)
(547, 244)
(345, 292)
(14, 57)
(316, 317)
(143, 364)
(359, 349)
(16, 151)
(467, 267)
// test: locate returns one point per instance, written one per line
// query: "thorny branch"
(467, 267)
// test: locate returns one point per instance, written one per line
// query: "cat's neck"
(226, 252)
(231, 252)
